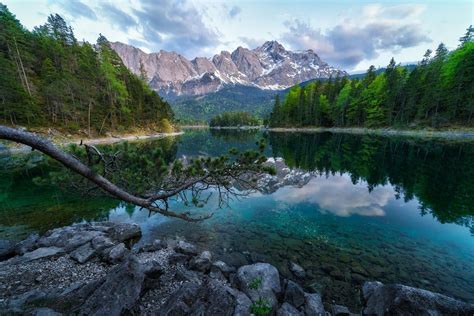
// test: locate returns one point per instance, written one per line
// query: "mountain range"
(268, 67)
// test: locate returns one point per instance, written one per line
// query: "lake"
(393, 209)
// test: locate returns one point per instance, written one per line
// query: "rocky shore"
(103, 269)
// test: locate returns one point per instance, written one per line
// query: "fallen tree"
(185, 179)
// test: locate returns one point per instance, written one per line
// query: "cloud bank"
(352, 41)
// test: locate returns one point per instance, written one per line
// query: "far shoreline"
(459, 134)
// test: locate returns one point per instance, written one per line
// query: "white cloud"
(339, 196)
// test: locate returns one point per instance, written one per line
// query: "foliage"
(228, 119)
(255, 284)
(260, 307)
(438, 174)
(438, 92)
(200, 109)
(48, 78)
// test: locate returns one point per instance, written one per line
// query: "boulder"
(83, 253)
(313, 305)
(294, 294)
(186, 248)
(211, 297)
(155, 245)
(297, 270)
(44, 311)
(222, 267)
(400, 299)
(68, 238)
(177, 258)
(7, 249)
(202, 262)
(287, 309)
(43, 252)
(124, 231)
(260, 281)
(101, 242)
(27, 244)
(119, 291)
(339, 310)
(117, 253)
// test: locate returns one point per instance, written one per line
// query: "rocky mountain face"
(269, 66)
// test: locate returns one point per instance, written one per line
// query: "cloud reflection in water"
(337, 194)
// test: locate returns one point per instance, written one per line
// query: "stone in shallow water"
(7, 249)
(202, 262)
(297, 270)
(313, 304)
(399, 299)
(186, 248)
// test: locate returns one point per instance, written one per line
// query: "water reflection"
(325, 193)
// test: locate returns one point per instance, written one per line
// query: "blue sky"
(351, 35)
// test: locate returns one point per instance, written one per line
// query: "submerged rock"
(7, 249)
(294, 294)
(314, 304)
(400, 299)
(297, 270)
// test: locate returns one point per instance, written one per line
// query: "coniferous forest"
(438, 92)
(49, 78)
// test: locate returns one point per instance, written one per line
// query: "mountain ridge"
(268, 67)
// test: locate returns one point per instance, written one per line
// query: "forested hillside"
(438, 92)
(48, 78)
(233, 119)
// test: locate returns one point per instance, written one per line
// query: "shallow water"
(375, 208)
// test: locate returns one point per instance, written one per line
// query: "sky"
(351, 35)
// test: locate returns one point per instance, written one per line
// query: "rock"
(83, 253)
(313, 304)
(42, 253)
(119, 292)
(27, 244)
(156, 245)
(294, 294)
(242, 304)
(260, 281)
(297, 270)
(287, 309)
(209, 298)
(68, 238)
(177, 258)
(217, 274)
(117, 253)
(44, 311)
(202, 262)
(222, 267)
(400, 299)
(7, 249)
(101, 242)
(339, 310)
(186, 248)
(124, 231)
(183, 274)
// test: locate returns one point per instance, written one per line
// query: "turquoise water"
(376, 208)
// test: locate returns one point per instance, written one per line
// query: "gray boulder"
(27, 244)
(297, 270)
(123, 231)
(222, 267)
(155, 245)
(43, 252)
(119, 292)
(117, 253)
(202, 262)
(101, 242)
(314, 305)
(83, 253)
(186, 248)
(339, 310)
(294, 294)
(7, 249)
(397, 299)
(68, 238)
(211, 297)
(287, 309)
(260, 281)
